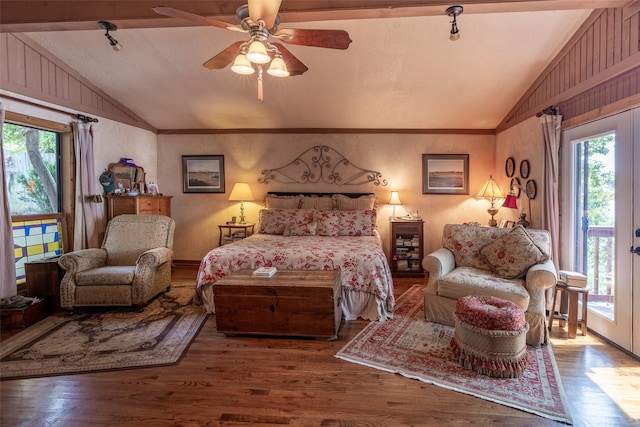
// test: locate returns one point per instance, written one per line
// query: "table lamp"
(491, 192)
(241, 193)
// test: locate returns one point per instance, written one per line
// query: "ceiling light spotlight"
(108, 26)
(454, 11)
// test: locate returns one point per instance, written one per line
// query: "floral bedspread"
(361, 260)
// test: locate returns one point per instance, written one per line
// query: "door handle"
(635, 250)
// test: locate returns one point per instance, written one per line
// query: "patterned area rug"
(410, 346)
(103, 339)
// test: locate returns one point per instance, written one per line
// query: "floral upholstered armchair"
(132, 266)
(512, 264)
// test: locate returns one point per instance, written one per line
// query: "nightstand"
(234, 232)
(406, 248)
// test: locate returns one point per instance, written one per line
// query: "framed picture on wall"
(203, 174)
(445, 174)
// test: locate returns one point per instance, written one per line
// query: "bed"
(313, 232)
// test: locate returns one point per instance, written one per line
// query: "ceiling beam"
(39, 15)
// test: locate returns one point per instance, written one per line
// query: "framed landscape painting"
(445, 174)
(203, 174)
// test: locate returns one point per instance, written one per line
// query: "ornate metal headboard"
(322, 163)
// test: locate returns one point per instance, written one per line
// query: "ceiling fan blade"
(224, 58)
(294, 65)
(267, 10)
(175, 13)
(333, 39)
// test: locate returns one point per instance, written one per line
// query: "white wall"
(397, 156)
(111, 140)
(523, 141)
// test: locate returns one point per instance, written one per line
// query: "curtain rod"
(86, 119)
(551, 110)
(78, 116)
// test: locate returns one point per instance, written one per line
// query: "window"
(594, 223)
(33, 177)
(32, 168)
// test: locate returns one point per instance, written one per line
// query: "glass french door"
(597, 216)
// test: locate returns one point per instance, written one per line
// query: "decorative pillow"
(357, 223)
(293, 229)
(272, 221)
(328, 222)
(512, 254)
(281, 202)
(316, 202)
(344, 203)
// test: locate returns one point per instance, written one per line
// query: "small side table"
(43, 279)
(245, 229)
(573, 293)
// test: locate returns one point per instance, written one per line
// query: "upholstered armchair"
(132, 266)
(508, 263)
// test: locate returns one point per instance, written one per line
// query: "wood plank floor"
(257, 381)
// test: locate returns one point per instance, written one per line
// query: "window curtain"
(86, 215)
(551, 131)
(7, 255)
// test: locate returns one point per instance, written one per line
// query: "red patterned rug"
(410, 346)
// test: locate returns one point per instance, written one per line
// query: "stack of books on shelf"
(238, 235)
(264, 272)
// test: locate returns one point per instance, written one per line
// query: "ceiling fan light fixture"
(454, 11)
(257, 53)
(278, 68)
(242, 65)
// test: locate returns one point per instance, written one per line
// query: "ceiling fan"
(260, 19)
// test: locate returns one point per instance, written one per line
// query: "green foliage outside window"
(600, 209)
(31, 168)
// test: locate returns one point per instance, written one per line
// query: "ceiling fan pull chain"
(260, 94)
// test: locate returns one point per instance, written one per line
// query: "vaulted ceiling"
(400, 72)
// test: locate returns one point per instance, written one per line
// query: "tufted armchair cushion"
(132, 266)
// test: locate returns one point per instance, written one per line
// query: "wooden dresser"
(139, 205)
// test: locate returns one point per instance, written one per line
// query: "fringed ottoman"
(490, 336)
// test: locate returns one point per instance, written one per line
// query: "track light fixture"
(454, 11)
(108, 26)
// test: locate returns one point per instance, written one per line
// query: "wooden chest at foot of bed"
(290, 303)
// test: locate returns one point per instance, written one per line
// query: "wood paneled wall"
(599, 66)
(29, 70)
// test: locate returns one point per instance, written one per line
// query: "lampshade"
(395, 198)
(241, 192)
(258, 53)
(490, 191)
(241, 65)
(511, 201)
(278, 68)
